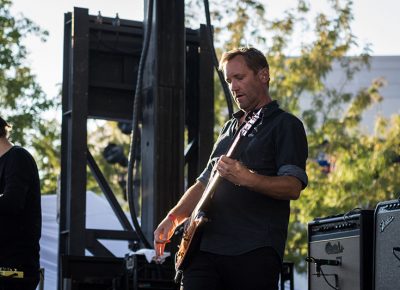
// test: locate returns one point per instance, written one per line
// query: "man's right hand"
(162, 235)
(177, 215)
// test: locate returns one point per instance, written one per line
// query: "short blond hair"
(254, 58)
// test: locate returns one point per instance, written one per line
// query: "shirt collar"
(267, 110)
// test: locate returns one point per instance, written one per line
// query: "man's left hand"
(232, 170)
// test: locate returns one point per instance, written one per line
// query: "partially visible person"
(20, 214)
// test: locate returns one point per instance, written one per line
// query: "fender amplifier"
(340, 252)
(387, 246)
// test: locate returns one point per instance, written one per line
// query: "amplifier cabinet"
(387, 246)
(340, 251)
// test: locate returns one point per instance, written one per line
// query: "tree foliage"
(23, 102)
(101, 134)
(364, 167)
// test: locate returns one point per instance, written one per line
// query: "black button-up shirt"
(243, 220)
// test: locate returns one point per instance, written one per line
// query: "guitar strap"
(245, 141)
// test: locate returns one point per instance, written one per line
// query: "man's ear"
(264, 75)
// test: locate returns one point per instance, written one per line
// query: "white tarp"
(99, 215)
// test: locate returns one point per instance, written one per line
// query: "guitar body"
(190, 240)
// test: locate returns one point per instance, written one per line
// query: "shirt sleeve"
(18, 178)
(292, 149)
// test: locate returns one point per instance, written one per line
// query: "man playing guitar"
(242, 244)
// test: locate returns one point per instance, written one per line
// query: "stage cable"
(137, 105)
(327, 282)
(350, 212)
(319, 263)
(396, 249)
(227, 92)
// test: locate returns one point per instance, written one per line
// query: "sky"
(376, 22)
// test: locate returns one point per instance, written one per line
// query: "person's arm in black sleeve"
(17, 181)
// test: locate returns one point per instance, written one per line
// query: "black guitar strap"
(245, 141)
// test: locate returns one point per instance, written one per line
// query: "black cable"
(346, 215)
(326, 280)
(227, 93)
(135, 126)
(316, 262)
(396, 249)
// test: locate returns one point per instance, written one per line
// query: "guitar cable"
(227, 93)
(137, 106)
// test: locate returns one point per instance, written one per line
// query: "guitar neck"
(207, 194)
(199, 215)
(215, 180)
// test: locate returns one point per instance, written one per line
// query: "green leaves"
(23, 103)
(364, 166)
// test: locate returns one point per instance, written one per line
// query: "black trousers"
(255, 270)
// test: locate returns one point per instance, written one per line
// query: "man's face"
(249, 89)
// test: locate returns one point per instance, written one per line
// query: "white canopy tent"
(99, 215)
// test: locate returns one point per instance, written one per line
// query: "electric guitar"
(191, 233)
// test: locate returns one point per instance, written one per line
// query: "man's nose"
(233, 86)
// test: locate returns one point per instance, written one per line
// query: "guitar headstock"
(250, 124)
